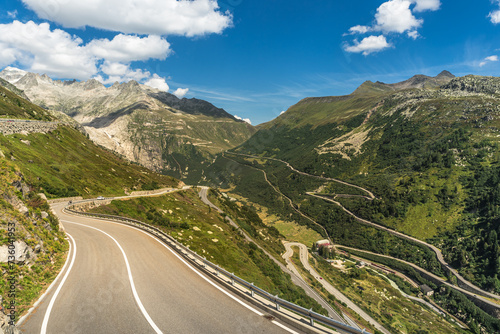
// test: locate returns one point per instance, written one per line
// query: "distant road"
(476, 290)
(370, 194)
(295, 278)
(122, 280)
(304, 254)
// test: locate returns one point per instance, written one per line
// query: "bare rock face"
(22, 252)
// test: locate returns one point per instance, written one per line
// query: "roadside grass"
(289, 229)
(42, 235)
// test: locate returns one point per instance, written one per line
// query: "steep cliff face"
(145, 125)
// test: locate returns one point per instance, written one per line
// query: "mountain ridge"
(148, 126)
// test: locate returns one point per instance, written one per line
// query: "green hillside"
(66, 163)
(14, 106)
(430, 156)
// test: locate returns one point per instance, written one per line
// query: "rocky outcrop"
(22, 252)
(474, 84)
(5, 325)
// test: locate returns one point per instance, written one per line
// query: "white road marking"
(131, 279)
(51, 286)
(197, 272)
(52, 301)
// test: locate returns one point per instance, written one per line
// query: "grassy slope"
(34, 275)
(65, 163)
(203, 230)
(14, 106)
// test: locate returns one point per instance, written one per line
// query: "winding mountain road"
(120, 279)
(472, 289)
(295, 276)
(304, 259)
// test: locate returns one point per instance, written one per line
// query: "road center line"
(198, 273)
(54, 297)
(131, 279)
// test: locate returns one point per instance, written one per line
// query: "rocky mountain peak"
(12, 74)
(45, 77)
(417, 81)
(445, 74)
(92, 84)
(29, 80)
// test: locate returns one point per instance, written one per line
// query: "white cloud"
(396, 16)
(126, 48)
(392, 17)
(413, 34)
(495, 17)
(368, 45)
(181, 92)
(59, 54)
(121, 73)
(359, 29)
(13, 14)
(157, 82)
(423, 5)
(487, 60)
(42, 50)
(243, 119)
(156, 17)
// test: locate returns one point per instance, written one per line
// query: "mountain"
(427, 148)
(12, 74)
(47, 157)
(316, 111)
(417, 81)
(154, 128)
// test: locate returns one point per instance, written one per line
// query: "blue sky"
(253, 58)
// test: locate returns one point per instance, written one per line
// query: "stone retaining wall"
(149, 192)
(9, 128)
(65, 199)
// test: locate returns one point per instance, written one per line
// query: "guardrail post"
(277, 304)
(232, 278)
(251, 290)
(217, 271)
(311, 318)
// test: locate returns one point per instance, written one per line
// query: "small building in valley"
(426, 290)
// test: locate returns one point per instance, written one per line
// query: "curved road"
(304, 254)
(476, 290)
(296, 278)
(436, 250)
(123, 280)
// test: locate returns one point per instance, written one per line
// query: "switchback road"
(296, 278)
(304, 259)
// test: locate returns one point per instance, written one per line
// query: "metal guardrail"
(203, 262)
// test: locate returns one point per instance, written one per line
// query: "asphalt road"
(295, 276)
(303, 254)
(121, 280)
